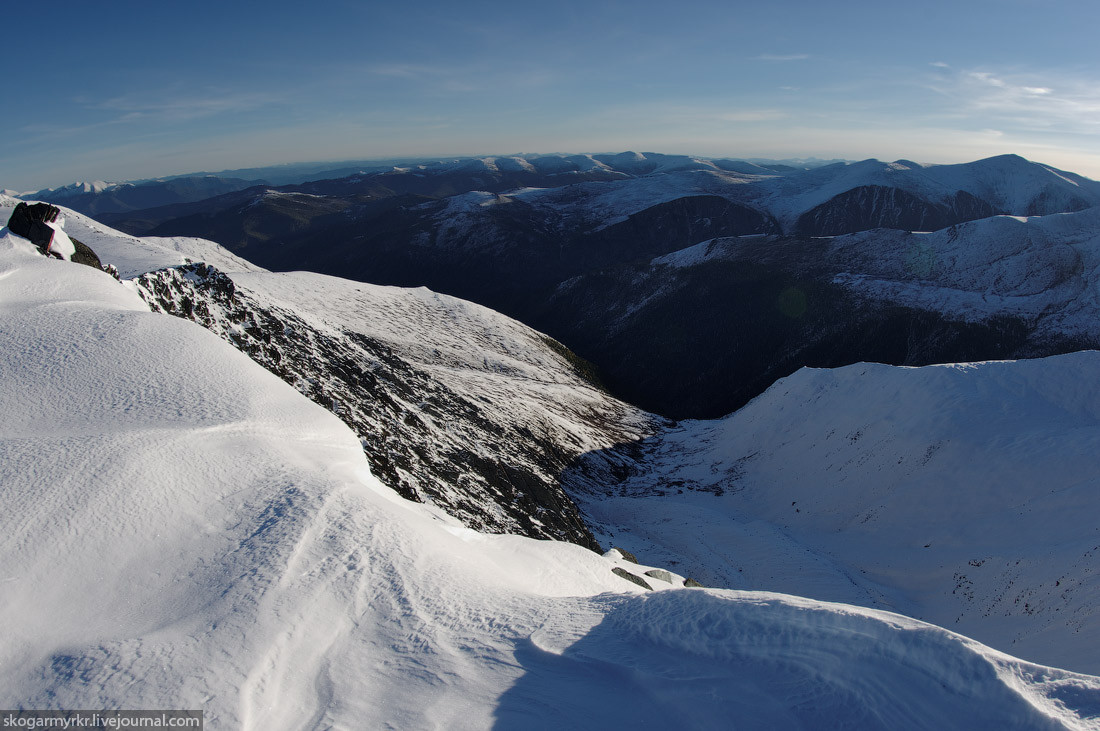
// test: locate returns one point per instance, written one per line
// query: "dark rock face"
(85, 255)
(668, 227)
(32, 222)
(876, 206)
(423, 439)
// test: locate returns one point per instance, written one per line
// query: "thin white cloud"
(132, 108)
(940, 65)
(987, 78)
(753, 115)
(463, 79)
(409, 70)
(781, 57)
(146, 116)
(1048, 102)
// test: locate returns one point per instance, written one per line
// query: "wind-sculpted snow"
(964, 495)
(768, 661)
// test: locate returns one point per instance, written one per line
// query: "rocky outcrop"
(624, 574)
(660, 575)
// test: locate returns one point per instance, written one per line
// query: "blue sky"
(124, 90)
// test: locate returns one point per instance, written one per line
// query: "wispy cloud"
(409, 70)
(463, 78)
(984, 77)
(781, 57)
(753, 115)
(1019, 101)
(183, 108)
(1031, 102)
(144, 116)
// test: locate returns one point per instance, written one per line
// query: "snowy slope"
(134, 256)
(1009, 183)
(185, 530)
(964, 495)
(455, 404)
(1044, 268)
(596, 205)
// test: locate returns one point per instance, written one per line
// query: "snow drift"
(965, 495)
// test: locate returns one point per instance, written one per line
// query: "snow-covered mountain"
(100, 198)
(575, 246)
(744, 311)
(823, 200)
(455, 405)
(185, 530)
(965, 495)
(1044, 269)
(74, 190)
(1004, 184)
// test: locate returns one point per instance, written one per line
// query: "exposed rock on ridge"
(425, 438)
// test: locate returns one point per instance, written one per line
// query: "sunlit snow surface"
(965, 495)
(183, 530)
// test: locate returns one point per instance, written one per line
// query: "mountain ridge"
(572, 259)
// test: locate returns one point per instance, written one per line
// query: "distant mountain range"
(100, 198)
(693, 284)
